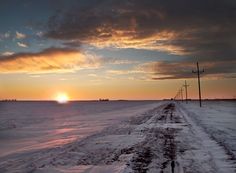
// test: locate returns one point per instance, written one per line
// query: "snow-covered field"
(117, 137)
(218, 120)
(36, 125)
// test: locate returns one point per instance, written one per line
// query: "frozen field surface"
(119, 137)
(35, 125)
(218, 119)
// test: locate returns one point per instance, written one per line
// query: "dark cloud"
(178, 70)
(46, 52)
(202, 30)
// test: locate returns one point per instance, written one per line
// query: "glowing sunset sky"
(116, 49)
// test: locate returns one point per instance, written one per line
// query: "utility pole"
(178, 96)
(186, 90)
(181, 94)
(199, 84)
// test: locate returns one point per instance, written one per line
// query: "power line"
(179, 95)
(186, 90)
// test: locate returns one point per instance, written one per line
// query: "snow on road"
(165, 139)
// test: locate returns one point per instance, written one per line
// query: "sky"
(116, 49)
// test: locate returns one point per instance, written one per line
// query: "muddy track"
(169, 144)
(142, 159)
(159, 148)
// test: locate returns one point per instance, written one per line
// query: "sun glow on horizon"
(62, 98)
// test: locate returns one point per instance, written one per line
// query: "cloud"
(181, 70)
(126, 72)
(7, 53)
(47, 61)
(204, 29)
(22, 45)
(117, 61)
(20, 35)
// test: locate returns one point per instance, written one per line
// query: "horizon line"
(76, 100)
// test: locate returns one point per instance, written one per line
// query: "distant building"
(103, 100)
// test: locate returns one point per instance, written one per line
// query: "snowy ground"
(27, 126)
(160, 137)
(218, 120)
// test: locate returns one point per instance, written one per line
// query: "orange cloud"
(49, 60)
(161, 41)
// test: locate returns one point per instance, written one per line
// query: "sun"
(62, 98)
